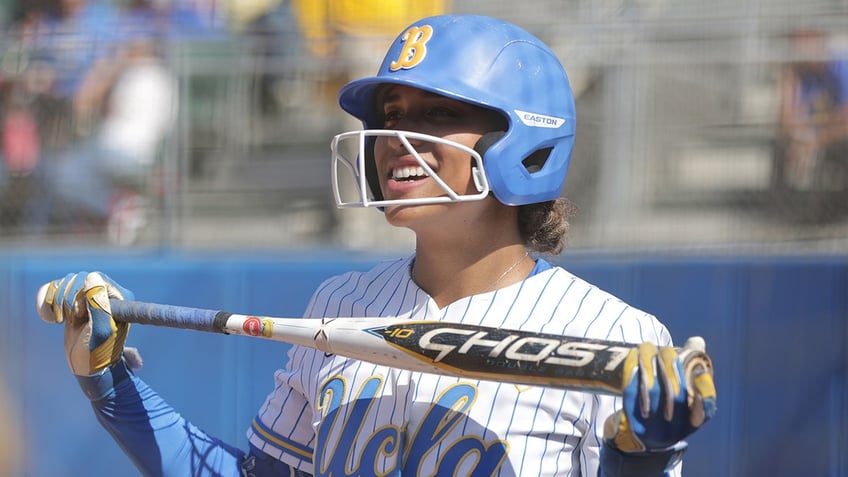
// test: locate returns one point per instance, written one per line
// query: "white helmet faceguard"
(353, 150)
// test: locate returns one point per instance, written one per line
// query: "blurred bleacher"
(676, 110)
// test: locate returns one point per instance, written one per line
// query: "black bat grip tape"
(170, 316)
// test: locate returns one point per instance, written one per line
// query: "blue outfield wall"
(776, 327)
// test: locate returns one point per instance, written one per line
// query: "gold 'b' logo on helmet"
(414, 47)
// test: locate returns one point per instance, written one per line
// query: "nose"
(396, 144)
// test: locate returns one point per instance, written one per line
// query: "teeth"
(407, 172)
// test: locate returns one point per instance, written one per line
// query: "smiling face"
(406, 108)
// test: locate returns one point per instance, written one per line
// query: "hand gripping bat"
(450, 349)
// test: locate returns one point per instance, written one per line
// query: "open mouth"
(403, 174)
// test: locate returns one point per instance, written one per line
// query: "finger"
(115, 290)
(669, 376)
(44, 300)
(55, 296)
(647, 376)
(68, 288)
(96, 292)
(58, 300)
(703, 405)
(698, 371)
(106, 341)
(65, 298)
(97, 302)
(617, 428)
(696, 411)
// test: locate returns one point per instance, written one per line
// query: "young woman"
(469, 127)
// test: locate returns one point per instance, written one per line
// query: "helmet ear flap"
(484, 143)
(487, 140)
(371, 168)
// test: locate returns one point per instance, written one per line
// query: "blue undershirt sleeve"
(156, 438)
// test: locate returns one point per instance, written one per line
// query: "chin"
(408, 215)
(399, 215)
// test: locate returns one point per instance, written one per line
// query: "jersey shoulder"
(594, 312)
(362, 293)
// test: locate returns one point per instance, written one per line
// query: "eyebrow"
(391, 95)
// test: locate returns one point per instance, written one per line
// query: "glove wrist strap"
(652, 463)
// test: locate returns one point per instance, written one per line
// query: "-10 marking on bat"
(527, 347)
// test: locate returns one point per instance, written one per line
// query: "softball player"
(468, 131)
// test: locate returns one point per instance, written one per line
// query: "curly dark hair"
(544, 226)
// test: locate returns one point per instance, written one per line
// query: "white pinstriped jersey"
(335, 416)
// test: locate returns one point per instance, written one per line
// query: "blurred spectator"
(123, 106)
(74, 45)
(273, 31)
(328, 24)
(20, 145)
(353, 34)
(19, 156)
(244, 13)
(20, 132)
(88, 178)
(90, 105)
(351, 37)
(168, 19)
(61, 43)
(201, 15)
(812, 148)
(141, 110)
(80, 42)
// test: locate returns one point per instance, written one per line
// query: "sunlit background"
(215, 119)
(678, 142)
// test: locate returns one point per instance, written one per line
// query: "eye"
(436, 113)
(440, 112)
(391, 117)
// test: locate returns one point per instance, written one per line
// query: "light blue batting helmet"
(497, 65)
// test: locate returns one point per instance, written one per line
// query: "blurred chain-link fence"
(679, 138)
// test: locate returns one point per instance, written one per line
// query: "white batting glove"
(93, 340)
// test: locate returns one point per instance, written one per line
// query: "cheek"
(378, 150)
(453, 155)
(456, 172)
(466, 139)
(457, 161)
